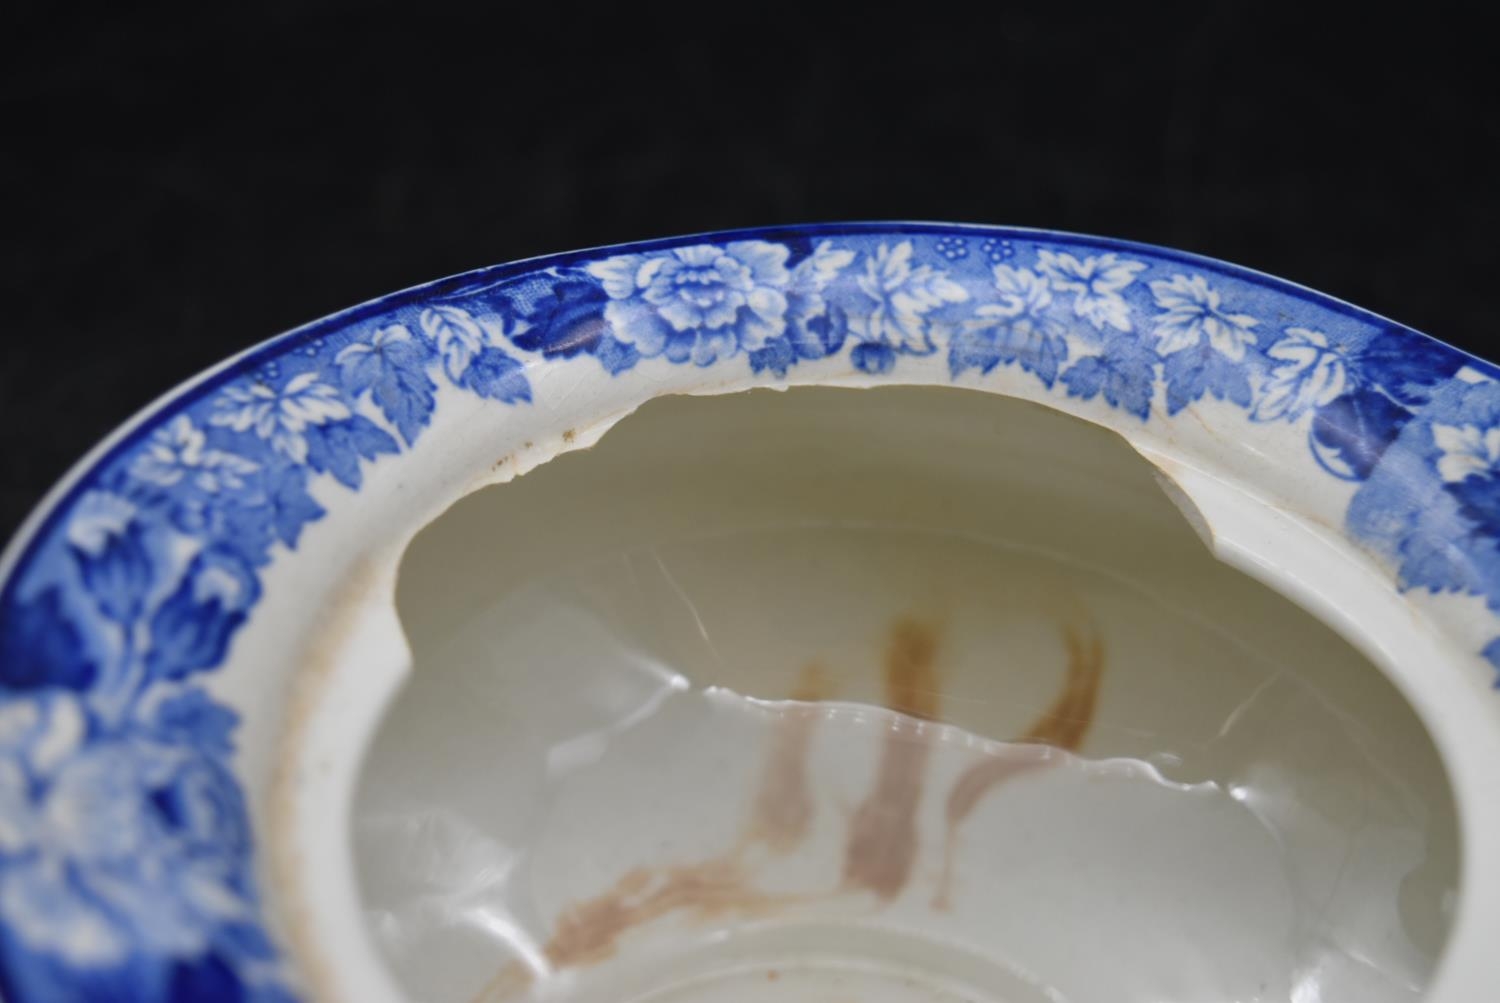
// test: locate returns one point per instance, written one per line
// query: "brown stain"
(1066, 723)
(781, 813)
(590, 931)
(911, 681)
(569, 435)
(513, 979)
(882, 843)
(783, 809)
(366, 581)
(1063, 725)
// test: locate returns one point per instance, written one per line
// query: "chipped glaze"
(883, 836)
(156, 609)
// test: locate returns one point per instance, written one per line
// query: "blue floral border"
(125, 847)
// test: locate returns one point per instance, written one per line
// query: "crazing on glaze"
(126, 858)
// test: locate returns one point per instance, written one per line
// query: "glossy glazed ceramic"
(200, 638)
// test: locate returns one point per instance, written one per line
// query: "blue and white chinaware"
(163, 612)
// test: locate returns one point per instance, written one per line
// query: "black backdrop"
(178, 187)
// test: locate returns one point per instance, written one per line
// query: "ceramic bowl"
(1081, 621)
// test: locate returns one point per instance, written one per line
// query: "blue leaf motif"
(1434, 558)
(192, 719)
(393, 367)
(986, 346)
(109, 546)
(567, 322)
(1479, 499)
(616, 356)
(337, 447)
(821, 335)
(816, 328)
(1200, 369)
(1406, 514)
(873, 357)
(191, 629)
(291, 505)
(1405, 367)
(1125, 373)
(1491, 654)
(200, 804)
(777, 357)
(206, 977)
(41, 647)
(27, 975)
(496, 375)
(1017, 329)
(246, 941)
(125, 860)
(1354, 430)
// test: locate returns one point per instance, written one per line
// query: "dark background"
(177, 187)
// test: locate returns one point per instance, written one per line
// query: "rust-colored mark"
(911, 683)
(1063, 726)
(882, 842)
(1067, 721)
(783, 809)
(513, 979)
(569, 435)
(590, 931)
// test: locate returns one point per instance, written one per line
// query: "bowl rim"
(48, 507)
(44, 527)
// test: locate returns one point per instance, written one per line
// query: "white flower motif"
(281, 416)
(1467, 451)
(702, 302)
(108, 876)
(1190, 311)
(179, 450)
(40, 904)
(458, 336)
(37, 734)
(1310, 374)
(1096, 283)
(43, 731)
(101, 516)
(903, 296)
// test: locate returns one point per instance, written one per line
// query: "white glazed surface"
(1256, 815)
(317, 661)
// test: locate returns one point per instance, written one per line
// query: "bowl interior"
(907, 693)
